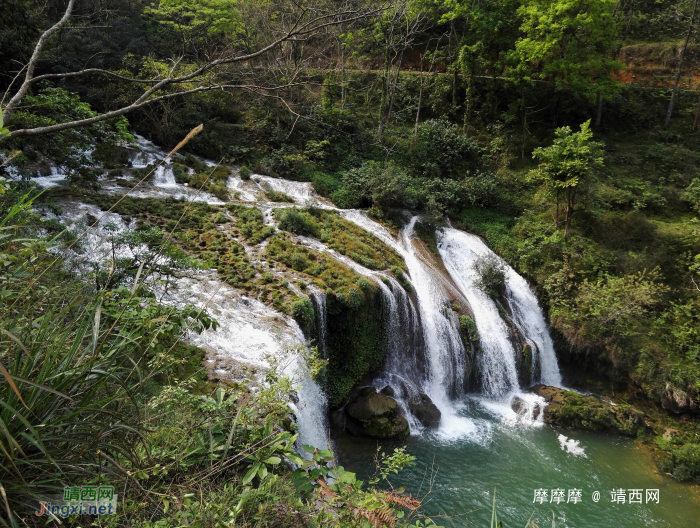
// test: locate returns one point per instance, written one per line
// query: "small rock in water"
(425, 410)
(519, 405)
(388, 391)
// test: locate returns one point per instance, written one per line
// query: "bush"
(468, 327)
(296, 221)
(303, 311)
(244, 173)
(492, 276)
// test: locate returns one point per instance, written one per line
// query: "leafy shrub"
(303, 311)
(277, 196)
(468, 327)
(297, 221)
(299, 261)
(491, 275)
(244, 173)
(441, 150)
(692, 194)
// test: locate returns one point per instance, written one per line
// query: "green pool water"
(483, 446)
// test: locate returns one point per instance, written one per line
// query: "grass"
(341, 235)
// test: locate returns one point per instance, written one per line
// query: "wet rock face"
(375, 415)
(573, 410)
(425, 410)
(522, 408)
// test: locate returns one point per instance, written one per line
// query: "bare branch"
(35, 57)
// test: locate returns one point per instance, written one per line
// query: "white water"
(425, 352)
(497, 359)
(460, 251)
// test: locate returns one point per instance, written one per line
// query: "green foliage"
(441, 150)
(692, 194)
(303, 311)
(491, 276)
(567, 168)
(346, 503)
(571, 42)
(598, 310)
(276, 196)
(297, 221)
(383, 184)
(77, 359)
(468, 327)
(250, 222)
(244, 173)
(216, 17)
(66, 149)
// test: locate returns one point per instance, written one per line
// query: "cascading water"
(425, 352)
(248, 333)
(460, 251)
(321, 320)
(497, 359)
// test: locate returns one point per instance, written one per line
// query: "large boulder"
(576, 411)
(425, 410)
(375, 415)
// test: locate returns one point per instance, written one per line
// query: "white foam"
(571, 446)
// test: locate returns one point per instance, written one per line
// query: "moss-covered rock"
(573, 410)
(375, 415)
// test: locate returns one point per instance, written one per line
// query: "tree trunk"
(343, 89)
(522, 147)
(599, 114)
(420, 99)
(392, 90)
(385, 94)
(680, 66)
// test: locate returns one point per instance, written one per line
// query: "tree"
(680, 67)
(567, 168)
(569, 42)
(396, 31)
(236, 63)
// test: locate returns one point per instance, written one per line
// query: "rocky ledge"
(576, 411)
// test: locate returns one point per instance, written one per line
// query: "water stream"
(480, 442)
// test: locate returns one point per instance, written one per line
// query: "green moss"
(356, 343)
(469, 331)
(341, 235)
(250, 222)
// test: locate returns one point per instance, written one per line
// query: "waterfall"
(164, 177)
(497, 359)
(444, 348)
(529, 319)
(460, 251)
(321, 320)
(248, 332)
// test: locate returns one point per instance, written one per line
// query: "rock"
(375, 415)
(425, 410)
(573, 410)
(388, 391)
(536, 412)
(677, 401)
(669, 433)
(518, 405)
(522, 408)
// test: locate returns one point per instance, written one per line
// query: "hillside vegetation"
(563, 132)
